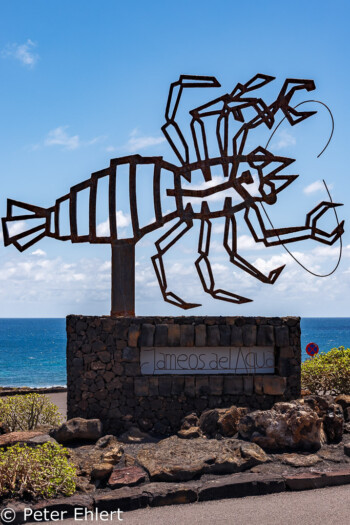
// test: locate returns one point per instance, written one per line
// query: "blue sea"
(33, 351)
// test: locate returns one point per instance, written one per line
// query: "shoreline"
(22, 390)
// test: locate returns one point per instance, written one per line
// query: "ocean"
(33, 351)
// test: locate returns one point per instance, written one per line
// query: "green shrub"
(28, 411)
(327, 372)
(42, 471)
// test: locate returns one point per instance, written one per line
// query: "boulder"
(135, 435)
(300, 460)
(347, 449)
(97, 462)
(222, 421)
(333, 424)
(331, 413)
(77, 429)
(176, 459)
(229, 419)
(190, 433)
(128, 476)
(343, 400)
(7, 440)
(189, 421)
(287, 426)
(208, 422)
(101, 471)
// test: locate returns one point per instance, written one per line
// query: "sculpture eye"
(246, 178)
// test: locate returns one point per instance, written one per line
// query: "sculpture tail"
(24, 224)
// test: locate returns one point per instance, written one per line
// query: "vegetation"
(327, 372)
(30, 472)
(28, 411)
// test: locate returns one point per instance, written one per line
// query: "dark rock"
(240, 486)
(229, 419)
(12, 438)
(233, 385)
(171, 494)
(343, 400)
(201, 335)
(134, 334)
(164, 385)
(249, 335)
(225, 335)
(213, 336)
(78, 429)
(300, 460)
(161, 335)
(106, 441)
(98, 461)
(347, 414)
(130, 353)
(236, 336)
(129, 476)
(43, 438)
(216, 384)
(202, 385)
(347, 449)
(191, 420)
(208, 422)
(274, 385)
(141, 386)
(333, 424)
(71, 506)
(281, 336)
(187, 335)
(304, 481)
(125, 499)
(176, 459)
(135, 435)
(287, 426)
(147, 335)
(190, 433)
(173, 335)
(265, 336)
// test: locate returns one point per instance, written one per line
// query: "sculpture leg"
(230, 244)
(158, 263)
(205, 271)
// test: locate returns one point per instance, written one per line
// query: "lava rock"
(300, 460)
(128, 476)
(287, 426)
(190, 433)
(77, 429)
(176, 459)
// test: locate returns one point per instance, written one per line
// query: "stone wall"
(105, 380)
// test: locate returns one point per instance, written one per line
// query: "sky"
(83, 82)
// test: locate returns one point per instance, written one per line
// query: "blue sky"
(83, 82)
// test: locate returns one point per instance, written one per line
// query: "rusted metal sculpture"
(241, 170)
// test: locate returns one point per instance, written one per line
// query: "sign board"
(207, 360)
(312, 349)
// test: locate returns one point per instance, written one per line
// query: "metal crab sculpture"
(232, 110)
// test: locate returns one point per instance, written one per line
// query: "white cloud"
(60, 137)
(316, 186)
(39, 253)
(283, 140)
(123, 220)
(22, 52)
(137, 142)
